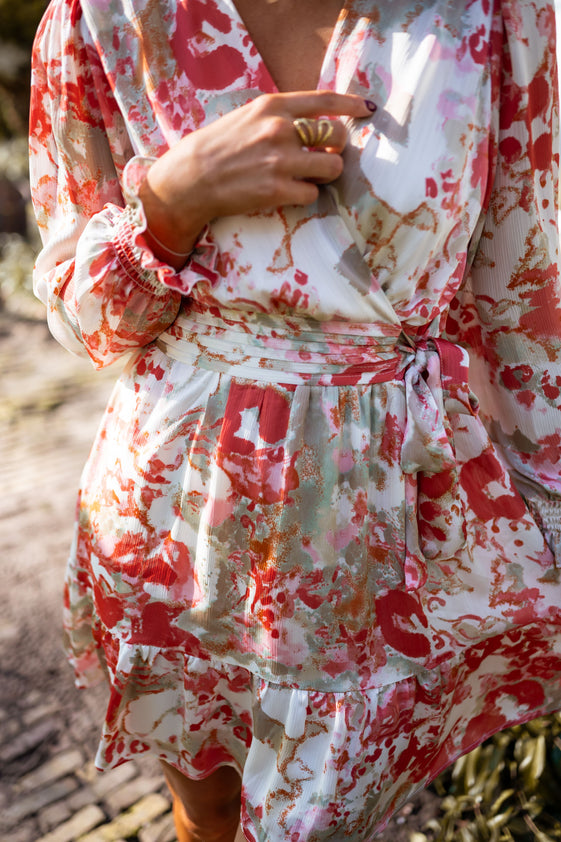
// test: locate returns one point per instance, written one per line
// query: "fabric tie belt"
(291, 350)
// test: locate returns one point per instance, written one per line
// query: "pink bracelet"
(165, 248)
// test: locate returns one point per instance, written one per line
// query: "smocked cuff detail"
(131, 254)
(201, 263)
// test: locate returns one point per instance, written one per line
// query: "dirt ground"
(50, 405)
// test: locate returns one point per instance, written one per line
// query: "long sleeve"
(508, 312)
(104, 290)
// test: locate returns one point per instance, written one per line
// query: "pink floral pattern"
(309, 543)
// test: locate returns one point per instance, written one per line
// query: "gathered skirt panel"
(321, 766)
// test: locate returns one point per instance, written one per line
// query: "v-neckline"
(265, 72)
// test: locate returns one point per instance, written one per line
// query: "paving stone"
(59, 766)
(77, 826)
(25, 832)
(150, 766)
(129, 824)
(88, 773)
(82, 723)
(9, 728)
(28, 740)
(9, 633)
(125, 796)
(105, 782)
(81, 798)
(159, 831)
(33, 699)
(30, 717)
(53, 816)
(65, 742)
(37, 801)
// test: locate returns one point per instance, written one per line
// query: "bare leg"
(208, 810)
(239, 836)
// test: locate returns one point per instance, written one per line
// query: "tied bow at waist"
(435, 373)
(290, 350)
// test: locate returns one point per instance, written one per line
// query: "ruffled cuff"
(136, 256)
(547, 514)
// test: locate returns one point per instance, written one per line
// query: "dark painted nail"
(371, 105)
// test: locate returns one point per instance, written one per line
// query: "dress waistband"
(285, 349)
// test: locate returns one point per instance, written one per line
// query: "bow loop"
(435, 515)
(426, 444)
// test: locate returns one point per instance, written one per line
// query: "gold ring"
(313, 132)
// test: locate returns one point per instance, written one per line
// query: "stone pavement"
(64, 799)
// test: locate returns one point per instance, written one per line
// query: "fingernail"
(371, 105)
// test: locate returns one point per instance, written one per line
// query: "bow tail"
(435, 520)
(435, 526)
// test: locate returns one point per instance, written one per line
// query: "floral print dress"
(308, 544)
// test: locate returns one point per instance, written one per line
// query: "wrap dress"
(316, 537)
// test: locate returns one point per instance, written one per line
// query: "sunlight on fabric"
(409, 62)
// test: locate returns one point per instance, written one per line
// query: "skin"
(208, 810)
(249, 160)
(305, 42)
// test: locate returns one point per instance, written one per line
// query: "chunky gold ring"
(313, 132)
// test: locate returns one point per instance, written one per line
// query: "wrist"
(173, 258)
(171, 239)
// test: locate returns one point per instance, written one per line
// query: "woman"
(315, 566)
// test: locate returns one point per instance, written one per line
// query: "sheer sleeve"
(105, 291)
(508, 312)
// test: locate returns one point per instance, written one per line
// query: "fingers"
(301, 108)
(319, 167)
(320, 103)
(302, 193)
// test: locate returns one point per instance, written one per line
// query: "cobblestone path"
(50, 405)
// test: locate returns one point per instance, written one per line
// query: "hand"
(249, 160)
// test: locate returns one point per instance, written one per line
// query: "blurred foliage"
(19, 20)
(14, 160)
(17, 252)
(506, 790)
(17, 257)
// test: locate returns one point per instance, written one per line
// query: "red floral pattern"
(306, 546)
